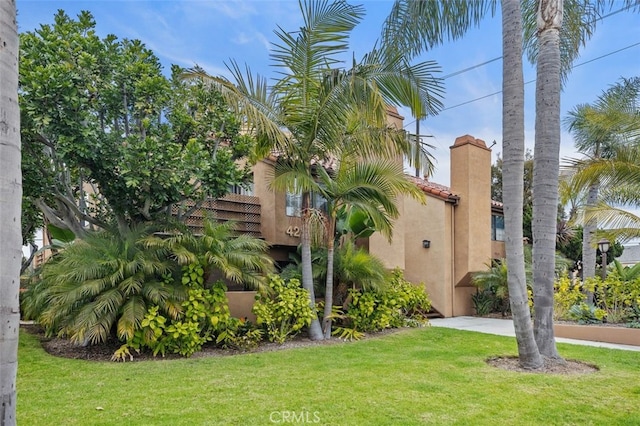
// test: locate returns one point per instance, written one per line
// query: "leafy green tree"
(305, 116)
(10, 194)
(109, 141)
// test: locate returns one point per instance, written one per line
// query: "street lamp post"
(603, 246)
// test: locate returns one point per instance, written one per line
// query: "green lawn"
(420, 376)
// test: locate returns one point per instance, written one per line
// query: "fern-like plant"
(103, 285)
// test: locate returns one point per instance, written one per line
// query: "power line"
(531, 81)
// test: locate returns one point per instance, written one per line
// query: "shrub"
(483, 302)
(617, 297)
(205, 315)
(284, 311)
(586, 314)
(567, 294)
(399, 304)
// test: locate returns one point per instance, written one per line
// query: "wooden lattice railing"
(244, 210)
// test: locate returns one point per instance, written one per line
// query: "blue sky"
(209, 33)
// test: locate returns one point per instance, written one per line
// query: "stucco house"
(441, 243)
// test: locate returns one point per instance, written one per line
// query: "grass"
(414, 377)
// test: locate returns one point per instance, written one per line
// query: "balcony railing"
(244, 210)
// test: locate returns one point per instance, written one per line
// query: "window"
(497, 227)
(241, 189)
(294, 203)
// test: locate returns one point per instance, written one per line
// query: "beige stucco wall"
(273, 218)
(431, 266)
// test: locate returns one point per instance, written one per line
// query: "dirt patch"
(551, 366)
(65, 349)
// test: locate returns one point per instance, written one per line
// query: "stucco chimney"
(471, 181)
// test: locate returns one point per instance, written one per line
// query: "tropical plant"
(627, 273)
(10, 194)
(596, 130)
(494, 281)
(372, 187)
(619, 174)
(239, 258)
(306, 115)
(284, 311)
(102, 286)
(586, 314)
(399, 304)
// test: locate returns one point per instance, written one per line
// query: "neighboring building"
(441, 243)
(631, 255)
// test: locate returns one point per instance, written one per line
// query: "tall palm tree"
(596, 129)
(371, 186)
(512, 183)
(303, 116)
(10, 210)
(554, 55)
(619, 176)
(546, 170)
(418, 24)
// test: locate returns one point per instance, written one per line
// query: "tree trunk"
(10, 212)
(588, 250)
(315, 330)
(546, 165)
(513, 181)
(328, 294)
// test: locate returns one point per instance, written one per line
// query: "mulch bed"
(65, 349)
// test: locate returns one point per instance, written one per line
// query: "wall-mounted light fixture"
(426, 243)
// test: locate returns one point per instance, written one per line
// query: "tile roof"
(435, 189)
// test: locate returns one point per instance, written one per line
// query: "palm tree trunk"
(315, 330)
(588, 231)
(10, 212)
(546, 165)
(328, 294)
(513, 178)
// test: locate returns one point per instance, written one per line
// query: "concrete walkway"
(504, 327)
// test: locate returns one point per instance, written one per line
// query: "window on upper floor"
(293, 203)
(497, 227)
(241, 189)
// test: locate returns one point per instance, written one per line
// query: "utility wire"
(462, 71)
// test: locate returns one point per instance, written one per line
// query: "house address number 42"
(293, 231)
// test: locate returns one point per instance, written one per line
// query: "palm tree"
(371, 186)
(554, 56)
(11, 196)
(303, 117)
(596, 130)
(546, 169)
(238, 258)
(619, 175)
(104, 284)
(418, 24)
(512, 183)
